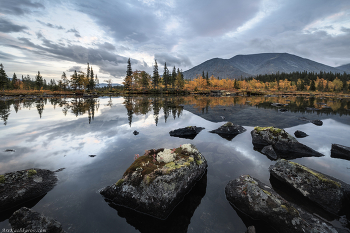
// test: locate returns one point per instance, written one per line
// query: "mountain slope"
(345, 68)
(255, 64)
(217, 67)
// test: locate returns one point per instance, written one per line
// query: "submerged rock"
(300, 134)
(315, 122)
(260, 202)
(285, 145)
(30, 221)
(328, 192)
(22, 186)
(339, 151)
(189, 132)
(229, 130)
(157, 181)
(135, 132)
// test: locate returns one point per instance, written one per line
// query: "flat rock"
(328, 192)
(156, 182)
(189, 132)
(22, 186)
(229, 130)
(340, 151)
(285, 145)
(300, 134)
(30, 221)
(260, 202)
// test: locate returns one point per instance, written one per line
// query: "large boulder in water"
(285, 145)
(157, 181)
(326, 191)
(22, 186)
(340, 151)
(26, 220)
(260, 202)
(229, 130)
(189, 132)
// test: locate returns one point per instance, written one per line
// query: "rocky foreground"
(261, 202)
(22, 186)
(157, 181)
(26, 220)
(328, 192)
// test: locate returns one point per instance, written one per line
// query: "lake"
(93, 140)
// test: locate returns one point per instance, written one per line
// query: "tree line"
(79, 80)
(141, 80)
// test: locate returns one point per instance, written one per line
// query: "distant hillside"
(345, 68)
(254, 64)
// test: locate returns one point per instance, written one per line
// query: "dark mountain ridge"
(263, 63)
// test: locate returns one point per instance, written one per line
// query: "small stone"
(300, 134)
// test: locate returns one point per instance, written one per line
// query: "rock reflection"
(4, 215)
(177, 222)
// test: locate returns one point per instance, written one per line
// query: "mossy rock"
(331, 194)
(157, 181)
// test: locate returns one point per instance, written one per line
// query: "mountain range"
(263, 63)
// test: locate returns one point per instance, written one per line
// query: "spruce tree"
(14, 81)
(92, 83)
(128, 78)
(166, 76)
(3, 78)
(207, 78)
(173, 77)
(312, 86)
(39, 82)
(155, 78)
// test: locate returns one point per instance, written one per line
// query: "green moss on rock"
(31, 172)
(321, 177)
(119, 182)
(2, 179)
(148, 168)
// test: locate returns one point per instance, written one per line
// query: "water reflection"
(70, 130)
(173, 106)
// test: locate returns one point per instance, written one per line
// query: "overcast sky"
(62, 36)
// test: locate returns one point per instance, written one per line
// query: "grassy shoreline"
(48, 93)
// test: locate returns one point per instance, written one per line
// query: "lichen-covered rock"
(157, 181)
(21, 186)
(340, 151)
(269, 152)
(259, 201)
(26, 220)
(229, 130)
(300, 134)
(285, 145)
(189, 132)
(328, 192)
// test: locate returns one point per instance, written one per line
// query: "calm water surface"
(62, 133)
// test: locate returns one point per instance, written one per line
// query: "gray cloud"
(8, 26)
(74, 68)
(76, 33)
(39, 35)
(50, 25)
(109, 63)
(106, 46)
(178, 60)
(19, 7)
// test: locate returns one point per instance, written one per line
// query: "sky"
(64, 35)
